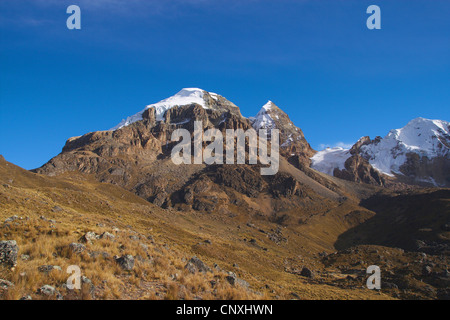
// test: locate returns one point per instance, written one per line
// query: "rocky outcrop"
(292, 139)
(358, 169)
(285, 185)
(8, 253)
(243, 179)
(136, 155)
(423, 170)
(77, 248)
(195, 265)
(235, 281)
(126, 262)
(89, 237)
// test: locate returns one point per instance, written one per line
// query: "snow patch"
(213, 95)
(288, 142)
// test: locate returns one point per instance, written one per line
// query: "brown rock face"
(137, 158)
(292, 139)
(358, 169)
(418, 169)
(362, 142)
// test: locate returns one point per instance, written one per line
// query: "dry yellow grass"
(78, 205)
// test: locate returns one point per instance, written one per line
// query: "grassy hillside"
(267, 253)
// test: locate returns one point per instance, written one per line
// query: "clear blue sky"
(316, 59)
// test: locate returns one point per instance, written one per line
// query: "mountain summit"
(292, 139)
(187, 96)
(136, 155)
(221, 113)
(184, 97)
(417, 153)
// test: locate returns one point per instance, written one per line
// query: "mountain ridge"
(143, 140)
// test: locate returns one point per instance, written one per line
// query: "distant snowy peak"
(428, 137)
(185, 97)
(424, 138)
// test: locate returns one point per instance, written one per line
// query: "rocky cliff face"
(292, 140)
(358, 169)
(136, 156)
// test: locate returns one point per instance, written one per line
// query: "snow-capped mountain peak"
(185, 97)
(263, 119)
(268, 106)
(424, 137)
(401, 152)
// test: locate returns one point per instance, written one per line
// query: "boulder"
(427, 270)
(8, 253)
(49, 291)
(46, 290)
(25, 257)
(308, 273)
(5, 285)
(96, 254)
(89, 237)
(107, 235)
(196, 265)
(77, 247)
(234, 280)
(126, 262)
(11, 219)
(190, 268)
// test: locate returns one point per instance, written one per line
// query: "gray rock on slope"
(196, 265)
(8, 253)
(126, 262)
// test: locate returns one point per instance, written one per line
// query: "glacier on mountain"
(424, 137)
